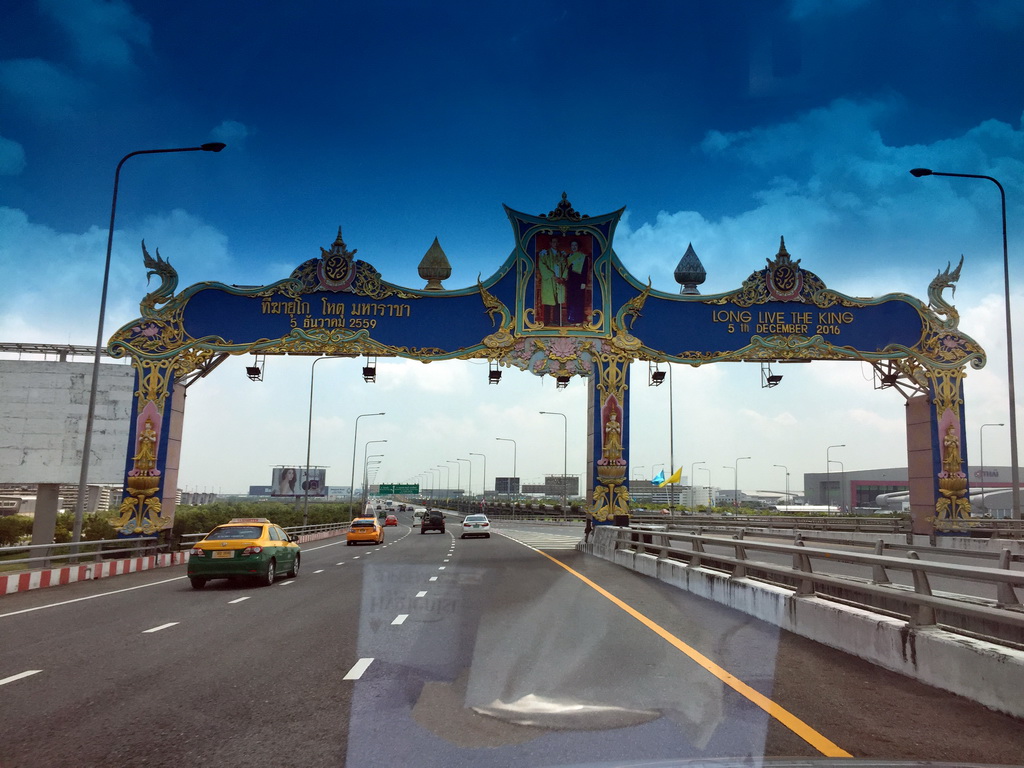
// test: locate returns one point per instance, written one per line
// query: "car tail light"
(251, 551)
(197, 552)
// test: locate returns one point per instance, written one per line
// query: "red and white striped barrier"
(68, 574)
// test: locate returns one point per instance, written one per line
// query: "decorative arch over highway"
(562, 304)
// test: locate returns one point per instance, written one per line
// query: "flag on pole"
(676, 477)
(659, 478)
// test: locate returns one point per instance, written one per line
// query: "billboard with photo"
(293, 481)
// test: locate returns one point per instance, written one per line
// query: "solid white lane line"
(162, 626)
(19, 676)
(320, 571)
(421, 594)
(232, 602)
(400, 619)
(357, 669)
(90, 597)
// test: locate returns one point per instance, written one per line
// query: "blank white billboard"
(43, 406)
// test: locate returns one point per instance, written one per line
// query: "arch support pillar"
(609, 500)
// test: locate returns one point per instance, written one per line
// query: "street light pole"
(483, 482)
(514, 451)
(355, 434)
(437, 485)
(366, 466)
(671, 447)
(736, 480)
(90, 415)
(1014, 463)
(693, 470)
(470, 481)
(365, 446)
(783, 466)
(711, 502)
(565, 451)
(309, 436)
(458, 473)
(981, 446)
(828, 477)
(447, 482)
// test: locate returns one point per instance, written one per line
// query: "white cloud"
(41, 89)
(232, 133)
(12, 157)
(59, 275)
(102, 32)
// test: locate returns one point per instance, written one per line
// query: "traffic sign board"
(404, 488)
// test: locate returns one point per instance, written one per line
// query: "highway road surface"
(435, 651)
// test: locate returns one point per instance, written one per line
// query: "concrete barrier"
(983, 671)
(68, 574)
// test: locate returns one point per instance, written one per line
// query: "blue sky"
(724, 124)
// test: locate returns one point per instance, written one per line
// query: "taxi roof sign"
(248, 520)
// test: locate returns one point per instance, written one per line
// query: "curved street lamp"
(90, 415)
(736, 480)
(783, 466)
(470, 481)
(447, 482)
(355, 434)
(828, 477)
(1014, 463)
(514, 451)
(693, 470)
(458, 473)
(309, 436)
(565, 451)
(483, 483)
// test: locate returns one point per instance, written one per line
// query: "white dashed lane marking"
(357, 669)
(157, 629)
(20, 675)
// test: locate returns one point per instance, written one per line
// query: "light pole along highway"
(355, 436)
(90, 415)
(565, 452)
(1014, 463)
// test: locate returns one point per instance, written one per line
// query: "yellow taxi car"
(245, 546)
(364, 529)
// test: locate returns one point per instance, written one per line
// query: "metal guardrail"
(977, 527)
(1001, 618)
(786, 522)
(81, 550)
(300, 530)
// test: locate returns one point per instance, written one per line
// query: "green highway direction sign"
(390, 488)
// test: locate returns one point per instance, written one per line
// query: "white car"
(476, 525)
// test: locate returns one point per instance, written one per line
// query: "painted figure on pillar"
(951, 461)
(145, 459)
(141, 510)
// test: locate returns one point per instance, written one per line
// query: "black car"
(433, 520)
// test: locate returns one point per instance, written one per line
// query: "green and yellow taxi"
(247, 546)
(364, 529)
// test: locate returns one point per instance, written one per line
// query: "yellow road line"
(785, 717)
